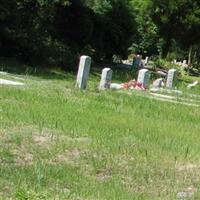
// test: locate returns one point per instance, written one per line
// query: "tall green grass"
(57, 142)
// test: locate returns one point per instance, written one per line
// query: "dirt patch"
(44, 140)
(24, 159)
(79, 140)
(6, 190)
(22, 156)
(187, 167)
(103, 174)
(187, 193)
(68, 157)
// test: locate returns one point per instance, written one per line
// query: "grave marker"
(106, 77)
(83, 72)
(171, 78)
(143, 77)
(158, 83)
(185, 62)
(137, 62)
(146, 60)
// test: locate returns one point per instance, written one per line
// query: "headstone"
(137, 62)
(83, 72)
(106, 77)
(158, 83)
(184, 62)
(171, 78)
(143, 77)
(146, 60)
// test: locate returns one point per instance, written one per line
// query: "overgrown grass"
(57, 142)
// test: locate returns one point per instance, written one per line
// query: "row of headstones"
(106, 77)
(144, 77)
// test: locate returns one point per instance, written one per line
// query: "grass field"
(60, 143)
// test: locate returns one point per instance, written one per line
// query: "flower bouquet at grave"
(133, 84)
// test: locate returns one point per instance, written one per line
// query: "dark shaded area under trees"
(57, 32)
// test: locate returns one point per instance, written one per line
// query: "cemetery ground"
(57, 142)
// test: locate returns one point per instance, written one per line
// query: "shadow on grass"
(14, 66)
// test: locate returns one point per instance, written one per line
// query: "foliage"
(177, 20)
(43, 31)
(147, 38)
(57, 32)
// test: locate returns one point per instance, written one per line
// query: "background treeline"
(57, 32)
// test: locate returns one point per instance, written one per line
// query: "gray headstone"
(158, 83)
(83, 72)
(171, 78)
(143, 77)
(106, 78)
(137, 62)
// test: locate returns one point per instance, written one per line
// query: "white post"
(106, 77)
(83, 72)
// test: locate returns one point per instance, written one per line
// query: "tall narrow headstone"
(83, 72)
(143, 77)
(146, 60)
(136, 62)
(106, 77)
(171, 78)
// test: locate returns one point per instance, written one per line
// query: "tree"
(178, 20)
(147, 32)
(114, 28)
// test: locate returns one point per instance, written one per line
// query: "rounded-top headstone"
(106, 78)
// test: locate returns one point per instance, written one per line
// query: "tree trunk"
(190, 56)
(167, 46)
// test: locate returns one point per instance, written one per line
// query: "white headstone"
(184, 62)
(143, 77)
(171, 78)
(106, 77)
(83, 72)
(146, 60)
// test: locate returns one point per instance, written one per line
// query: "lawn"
(57, 142)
